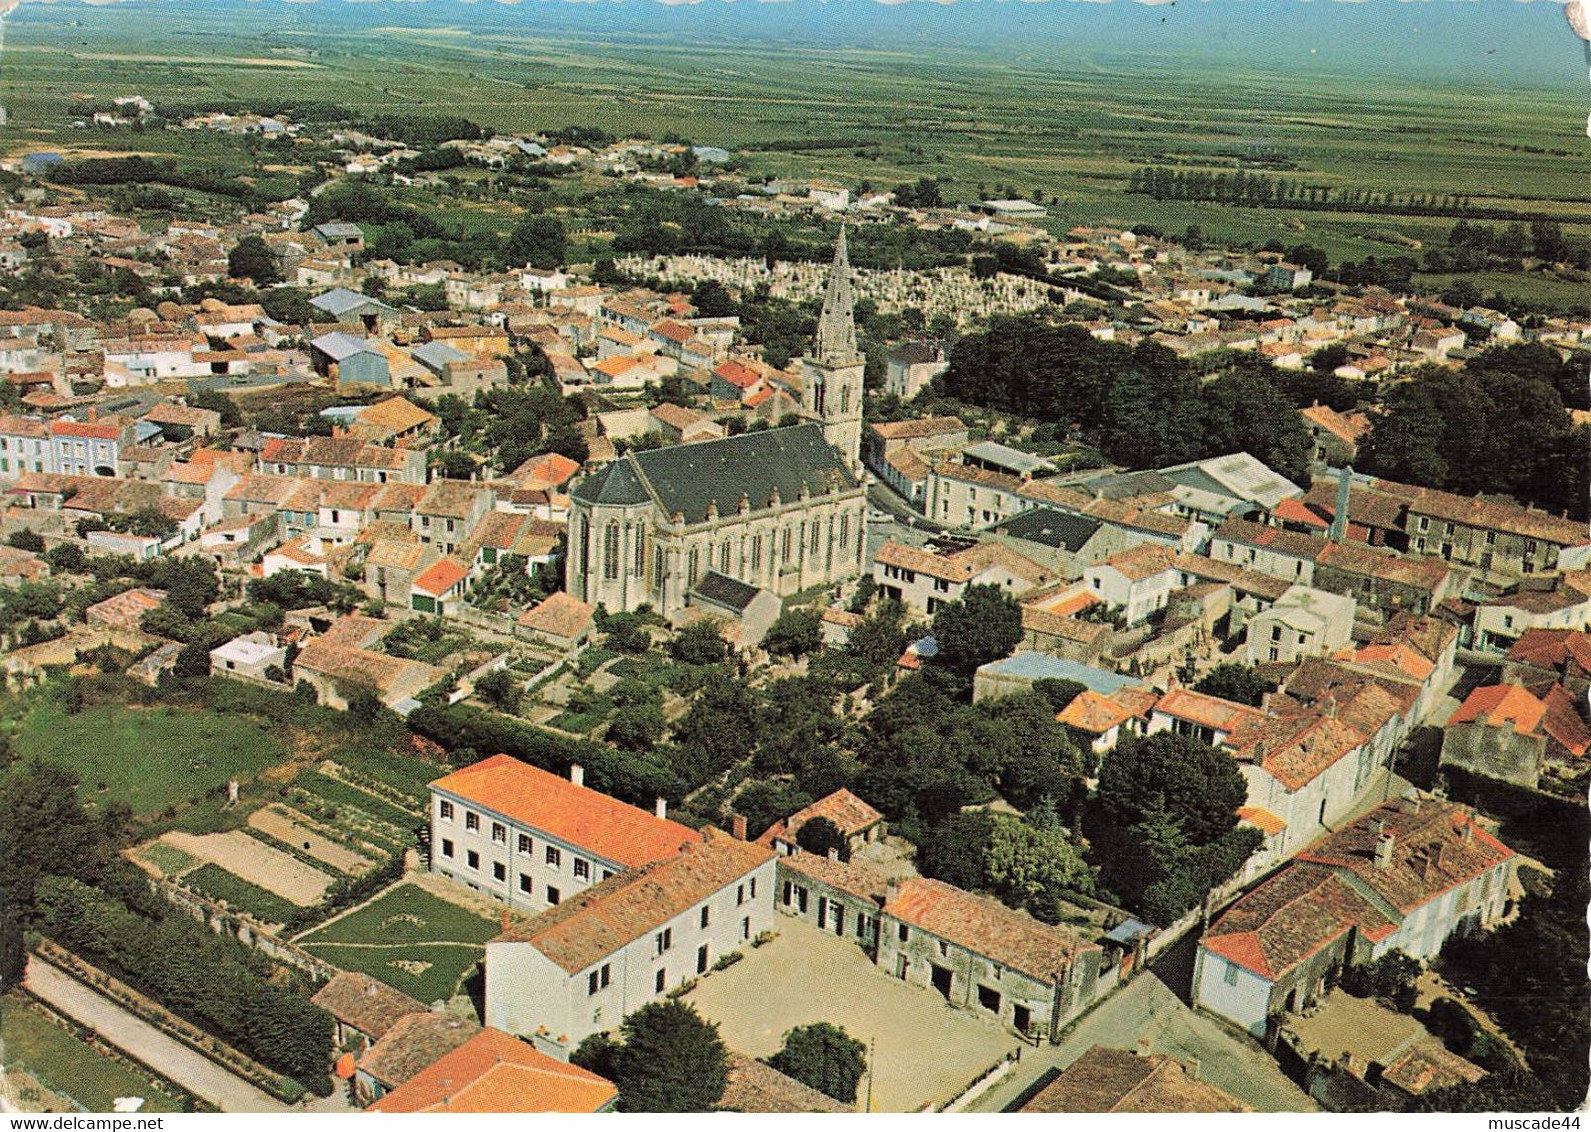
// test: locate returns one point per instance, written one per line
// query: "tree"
(193, 661)
(1244, 411)
(67, 558)
(825, 1057)
(1058, 693)
(252, 258)
(1390, 977)
(985, 625)
(819, 835)
(1236, 682)
(1022, 863)
(1508, 1090)
(955, 849)
(26, 540)
(500, 689)
(538, 241)
(671, 1060)
(637, 727)
(796, 633)
(881, 637)
(712, 300)
(700, 642)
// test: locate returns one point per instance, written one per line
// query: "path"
(167, 1056)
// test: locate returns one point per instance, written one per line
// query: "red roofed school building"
(1404, 877)
(494, 1072)
(532, 839)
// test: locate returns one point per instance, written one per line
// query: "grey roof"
(1237, 476)
(1125, 485)
(1003, 456)
(689, 477)
(339, 230)
(1052, 528)
(435, 355)
(721, 589)
(1042, 666)
(915, 353)
(337, 346)
(340, 301)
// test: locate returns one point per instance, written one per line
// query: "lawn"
(425, 971)
(406, 914)
(68, 1066)
(147, 758)
(168, 858)
(215, 882)
(408, 939)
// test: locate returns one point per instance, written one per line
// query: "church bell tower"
(831, 390)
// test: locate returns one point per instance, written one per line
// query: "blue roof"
(1042, 666)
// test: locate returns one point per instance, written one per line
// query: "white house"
(1138, 581)
(1302, 622)
(580, 968)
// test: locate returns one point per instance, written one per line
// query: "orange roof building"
(858, 821)
(1506, 733)
(1403, 877)
(495, 1072)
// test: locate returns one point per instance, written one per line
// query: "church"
(782, 509)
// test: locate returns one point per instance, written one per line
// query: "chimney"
(93, 414)
(577, 774)
(834, 853)
(891, 891)
(662, 807)
(1378, 826)
(737, 826)
(1385, 844)
(1339, 518)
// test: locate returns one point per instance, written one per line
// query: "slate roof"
(689, 477)
(1114, 1080)
(721, 589)
(338, 345)
(1051, 528)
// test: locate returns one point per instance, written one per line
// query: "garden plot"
(292, 828)
(252, 860)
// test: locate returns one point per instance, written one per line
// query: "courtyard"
(925, 1052)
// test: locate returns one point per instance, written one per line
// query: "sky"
(1516, 42)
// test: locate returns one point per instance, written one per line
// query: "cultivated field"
(407, 938)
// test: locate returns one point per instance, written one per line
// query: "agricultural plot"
(407, 938)
(215, 882)
(256, 863)
(149, 758)
(45, 1062)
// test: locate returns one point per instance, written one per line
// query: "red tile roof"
(988, 928)
(440, 577)
(495, 1072)
(1114, 1080)
(586, 818)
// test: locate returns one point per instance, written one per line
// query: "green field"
(68, 1066)
(150, 758)
(215, 882)
(1070, 123)
(409, 940)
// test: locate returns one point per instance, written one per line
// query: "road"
(187, 1067)
(1146, 1009)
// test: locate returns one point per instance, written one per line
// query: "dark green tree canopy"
(825, 1057)
(671, 1060)
(819, 835)
(985, 625)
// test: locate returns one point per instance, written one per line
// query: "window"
(472, 821)
(525, 885)
(599, 979)
(582, 869)
(472, 859)
(447, 848)
(845, 531)
(554, 856)
(904, 932)
(661, 981)
(664, 940)
(753, 890)
(1230, 976)
(639, 567)
(740, 894)
(701, 959)
(756, 552)
(784, 550)
(499, 871)
(444, 810)
(695, 567)
(723, 558)
(524, 843)
(1425, 523)
(553, 895)
(707, 915)
(591, 983)
(989, 999)
(610, 551)
(1491, 538)
(1276, 632)
(606, 873)
(499, 833)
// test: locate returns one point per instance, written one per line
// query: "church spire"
(836, 326)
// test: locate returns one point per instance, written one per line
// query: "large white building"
(583, 967)
(532, 839)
